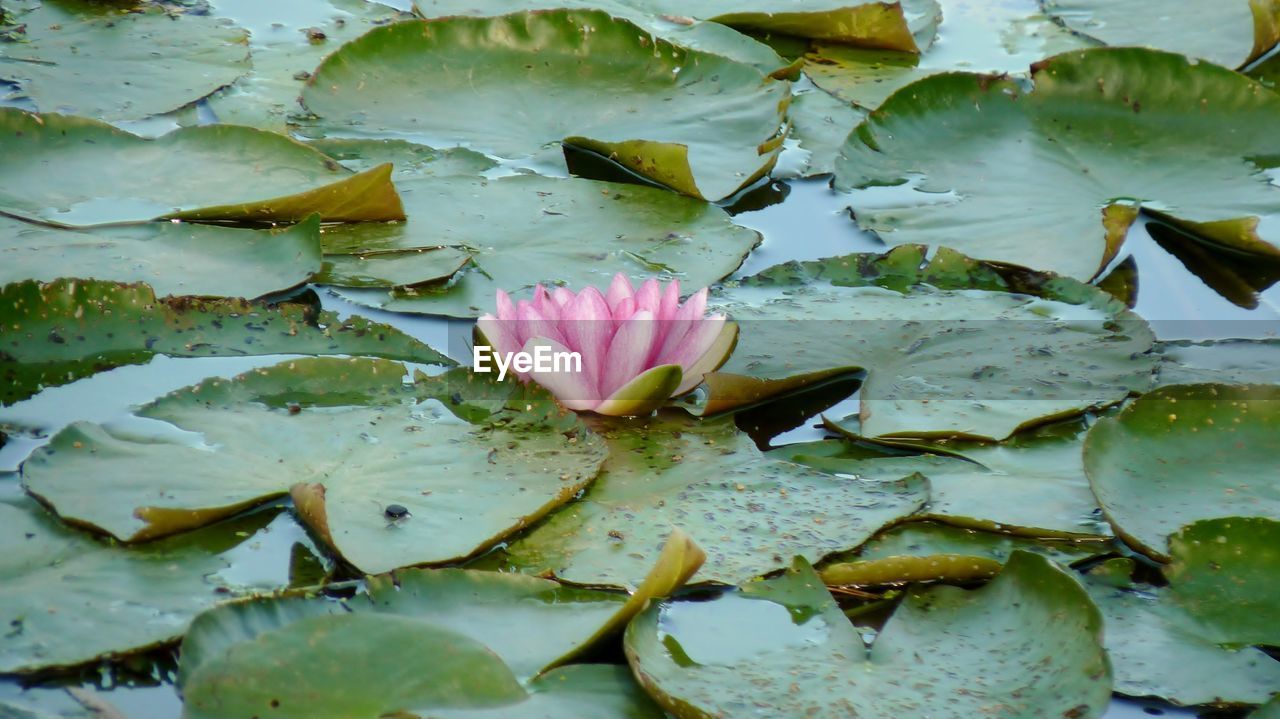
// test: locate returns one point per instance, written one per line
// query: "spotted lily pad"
(579, 77)
(1033, 484)
(1226, 32)
(1187, 642)
(70, 47)
(385, 480)
(74, 171)
(173, 258)
(748, 512)
(820, 123)
(67, 598)
(1027, 644)
(949, 346)
(1183, 453)
(57, 332)
(1103, 135)
(557, 231)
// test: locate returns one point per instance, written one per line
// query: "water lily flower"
(637, 347)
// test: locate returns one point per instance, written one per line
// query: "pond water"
(799, 219)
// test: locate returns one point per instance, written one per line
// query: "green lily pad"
(1033, 484)
(556, 231)
(173, 258)
(345, 438)
(583, 78)
(820, 123)
(409, 160)
(518, 629)
(1270, 710)
(284, 56)
(996, 37)
(1182, 643)
(1225, 361)
(67, 598)
(1183, 453)
(748, 512)
(73, 171)
(950, 346)
(71, 47)
(1105, 134)
(1025, 645)
(929, 551)
(55, 333)
(1226, 32)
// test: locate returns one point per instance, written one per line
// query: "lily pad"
(284, 56)
(1226, 32)
(1225, 361)
(820, 123)
(929, 551)
(1164, 643)
(67, 598)
(55, 333)
(73, 171)
(556, 231)
(516, 629)
(748, 512)
(1183, 453)
(1033, 484)
(996, 37)
(1094, 143)
(1027, 644)
(583, 78)
(71, 47)
(173, 258)
(345, 438)
(950, 347)
(409, 160)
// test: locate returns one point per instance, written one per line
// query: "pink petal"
(670, 302)
(629, 352)
(562, 296)
(543, 304)
(506, 310)
(717, 354)
(696, 342)
(649, 296)
(624, 310)
(619, 290)
(589, 330)
(686, 318)
(570, 388)
(532, 324)
(501, 334)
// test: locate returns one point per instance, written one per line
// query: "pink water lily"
(637, 347)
